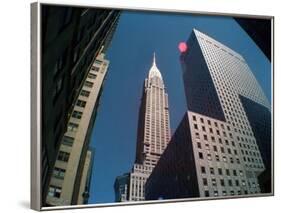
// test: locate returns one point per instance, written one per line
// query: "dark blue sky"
(138, 35)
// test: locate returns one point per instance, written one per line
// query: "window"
(226, 142)
(54, 191)
(68, 141)
(222, 182)
(214, 182)
(63, 156)
(72, 127)
(217, 158)
(88, 84)
(227, 172)
(200, 155)
(59, 173)
(203, 170)
(98, 62)
(207, 194)
(195, 126)
(85, 93)
(209, 156)
(230, 182)
(77, 114)
(96, 69)
(92, 76)
(205, 182)
(198, 145)
(212, 171)
(220, 171)
(215, 148)
(81, 103)
(237, 161)
(194, 118)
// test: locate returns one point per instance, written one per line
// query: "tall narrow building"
(153, 133)
(154, 122)
(70, 179)
(222, 147)
(72, 37)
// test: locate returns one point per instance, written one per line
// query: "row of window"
(229, 182)
(202, 120)
(213, 139)
(215, 149)
(217, 158)
(203, 128)
(220, 171)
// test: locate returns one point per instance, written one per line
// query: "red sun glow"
(182, 47)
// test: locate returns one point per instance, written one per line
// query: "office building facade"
(220, 148)
(70, 180)
(71, 39)
(153, 132)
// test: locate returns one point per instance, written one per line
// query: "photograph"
(148, 106)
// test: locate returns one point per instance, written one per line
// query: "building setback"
(153, 133)
(222, 147)
(69, 183)
(71, 39)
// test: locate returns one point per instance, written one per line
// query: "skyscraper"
(71, 39)
(222, 147)
(153, 132)
(70, 180)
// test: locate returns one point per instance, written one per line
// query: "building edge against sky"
(70, 180)
(71, 39)
(153, 135)
(222, 147)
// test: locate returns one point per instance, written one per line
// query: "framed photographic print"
(136, 106)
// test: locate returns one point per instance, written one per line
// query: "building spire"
(154, 71)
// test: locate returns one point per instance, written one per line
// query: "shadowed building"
(72, 37)
(121, 187)
(153, 132)
(260, 31)
(223, 144)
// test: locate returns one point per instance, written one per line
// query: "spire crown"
(154, 71)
